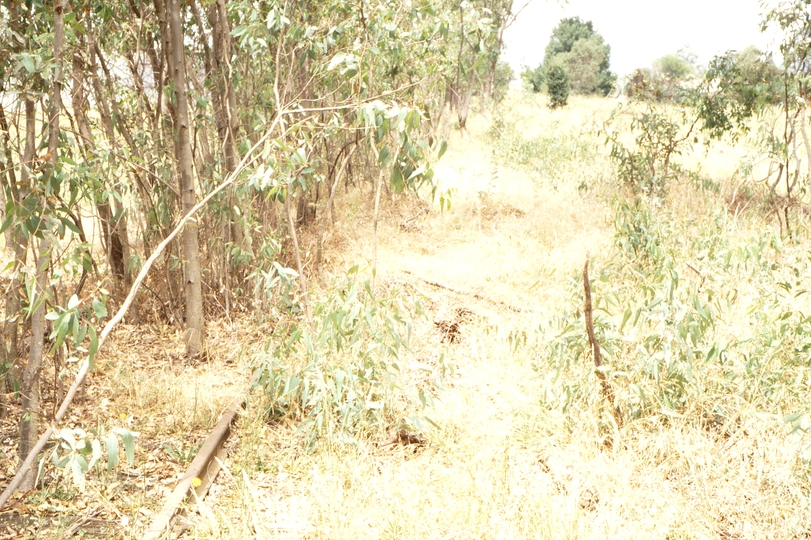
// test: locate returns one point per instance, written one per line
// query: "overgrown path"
(525, 447)
(491, 268)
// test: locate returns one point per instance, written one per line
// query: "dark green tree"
(557, 80)
(566, 34)
(583, 53)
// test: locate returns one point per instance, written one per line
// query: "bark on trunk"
(31, 403)
(225, 98)
(8, 349)
(192, 281)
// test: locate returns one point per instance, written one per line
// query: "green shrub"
(557, 80)
(341, 378)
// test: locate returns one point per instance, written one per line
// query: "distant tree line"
(675, 77)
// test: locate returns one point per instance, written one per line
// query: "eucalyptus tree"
(168, 101)
(739, 86)
(36, 213)
(472, 38)
(582, 52)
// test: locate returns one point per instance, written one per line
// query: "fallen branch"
(407, 223)
(467, 293)
(608, 392)
(698, 272)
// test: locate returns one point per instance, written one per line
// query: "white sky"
(640, 31)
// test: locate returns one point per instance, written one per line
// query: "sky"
(640, 31)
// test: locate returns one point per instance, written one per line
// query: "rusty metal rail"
(205, 467)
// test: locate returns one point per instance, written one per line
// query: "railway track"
(202, 472)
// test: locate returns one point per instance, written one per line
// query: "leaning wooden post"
(608, 392)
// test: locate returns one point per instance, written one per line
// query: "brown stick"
(205, 467)
(608, 392)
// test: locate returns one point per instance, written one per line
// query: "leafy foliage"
(557, 81)
(348, 370)
(679, 343)
(738, 86)
(564, 36)
(648, 165)
(533, 78)
(583, 54)
(668, 80)
(78, 451)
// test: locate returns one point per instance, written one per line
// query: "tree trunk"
(31, 403)
(463, 105)
(29, 390)
(9, 353)
(225, 97)
(8, 349)
(110, 232)
(192, 279)
(14, 235)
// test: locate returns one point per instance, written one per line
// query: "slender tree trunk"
(225, 112)
(8, 349)
(195, 322)
(115, 238)
(31, 403)
(14, 235)
(20, 241)
(116, 234)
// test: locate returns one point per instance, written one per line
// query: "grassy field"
(700, 308)
(701, 311)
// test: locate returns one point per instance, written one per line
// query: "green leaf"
(6, 224)
(417, 172)
(80, 335)
(96, 446)
(78, 468)
(443, 146)
(129, 445)
(94, 346)
(67, 436)
(99, 309)
(397, 180)
(336, 60)
(111, 443)
(70, 225)
(385, 156)
(28, 64)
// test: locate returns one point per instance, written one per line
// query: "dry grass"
(506, 462)
(503, 464)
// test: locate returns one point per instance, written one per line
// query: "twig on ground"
(702, 276)
(407, 223)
